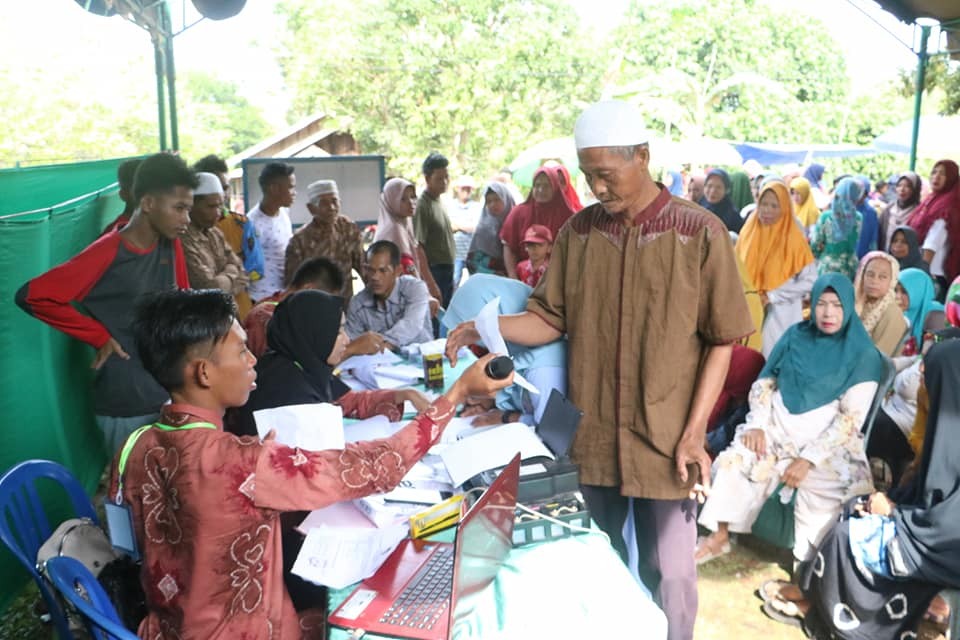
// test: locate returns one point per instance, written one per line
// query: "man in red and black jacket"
(105, 280)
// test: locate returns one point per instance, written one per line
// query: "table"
(568, 588)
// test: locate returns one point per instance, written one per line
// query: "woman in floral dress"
(803, 429)
(835, 236)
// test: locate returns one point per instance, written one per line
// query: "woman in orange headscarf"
(774, 250)
(806, 209)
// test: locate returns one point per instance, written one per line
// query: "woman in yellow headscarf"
(806, 209)
(775, 253)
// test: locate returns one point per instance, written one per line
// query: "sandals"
(770, 589)
(783, 611)
(712, 551)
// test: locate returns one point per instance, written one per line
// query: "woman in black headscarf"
(876, 572)
(716, 199)
(305, 341)
(898, 212)
(905, 247)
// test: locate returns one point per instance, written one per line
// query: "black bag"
(775, 522)
(121, 580)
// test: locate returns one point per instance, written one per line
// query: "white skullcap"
(321, 187)
(208, 185)
(610, 123)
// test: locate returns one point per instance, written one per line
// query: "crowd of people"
(726, 334)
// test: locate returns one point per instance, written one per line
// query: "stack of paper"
(491, 449)
(338, 556)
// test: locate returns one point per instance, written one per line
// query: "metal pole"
(171, 75)
(161, 98)
(918, 95)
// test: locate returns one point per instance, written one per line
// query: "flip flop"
(770, 589)
(711, 553)
(771, 609)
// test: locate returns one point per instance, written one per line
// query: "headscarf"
(920, 289)
(914, 258)
(871, 312)
(676, 183)
(553, 215)
(814, 175)
(300, 337)
(481, 288)
(392, 226)
(812, 368)
(724, 209)
(926, 512)
(772, 254)
(486, 237)
(844, 208)
(740, 193)
(569, 192)
(807, 211)
(871, 224)
(939, 204)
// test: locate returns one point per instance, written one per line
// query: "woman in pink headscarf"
(551, 202)
(397, 203)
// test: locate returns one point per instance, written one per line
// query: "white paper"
(491, 449)
(366, 361)
(339, 514)
(338, 557)
(487, 324)
(312, 427)
(370, 429)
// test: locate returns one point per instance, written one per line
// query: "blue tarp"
(768, 154)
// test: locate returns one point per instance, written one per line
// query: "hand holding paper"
(487, 324)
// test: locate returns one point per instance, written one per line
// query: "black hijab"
(914, 258)
(928, 514)
(724, 209)
(294, 370)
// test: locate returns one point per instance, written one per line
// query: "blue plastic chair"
(24, 525)
(78, 587)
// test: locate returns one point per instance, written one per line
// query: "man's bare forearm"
(527, 329)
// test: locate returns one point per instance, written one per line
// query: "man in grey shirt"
(395, 306)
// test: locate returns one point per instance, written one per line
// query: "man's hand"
(476, 382)
(464, 334)
(796, 472)
(756, 441)
(476, 406)
(367, 343)
(880, 504)
(109, 348)
(690, 451)
(419, 401)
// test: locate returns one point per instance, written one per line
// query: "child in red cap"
(538, 241)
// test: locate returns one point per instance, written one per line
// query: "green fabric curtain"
(45, 375)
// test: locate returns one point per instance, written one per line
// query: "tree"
(478, 80)
(215, 118)
(734, 69)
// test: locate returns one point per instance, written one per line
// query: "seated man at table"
(206, 505)
(392, 305)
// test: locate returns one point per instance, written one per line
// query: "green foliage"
(941, 83)
(217, 119)
(478, 80)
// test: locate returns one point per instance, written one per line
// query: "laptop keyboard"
(427, 597)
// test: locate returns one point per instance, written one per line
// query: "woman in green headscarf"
(803, 429)
(740, 193)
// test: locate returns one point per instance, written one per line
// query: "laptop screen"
(559, 423)
(484, 541)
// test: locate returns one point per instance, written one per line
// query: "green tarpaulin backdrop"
(47, 214)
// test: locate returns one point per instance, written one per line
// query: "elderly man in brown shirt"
(329, 235)
(211, 264)
(646, 288)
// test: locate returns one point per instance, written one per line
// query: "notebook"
(424, 588)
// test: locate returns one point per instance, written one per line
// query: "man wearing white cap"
(329, 235)
(211, 264)
(646, 287)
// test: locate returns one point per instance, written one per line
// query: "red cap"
(539, 234)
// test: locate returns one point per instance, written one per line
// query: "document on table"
(312, 427)
(491, 449)
(366, 361)
(487, 324)
(338, 556)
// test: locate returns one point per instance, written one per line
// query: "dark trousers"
(443, 275)
(666, 538)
